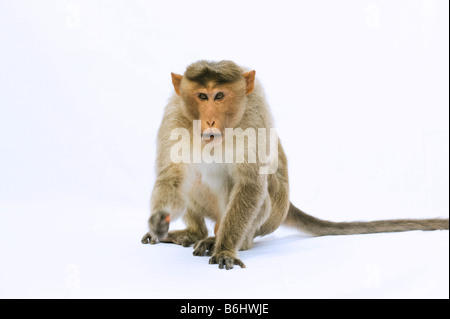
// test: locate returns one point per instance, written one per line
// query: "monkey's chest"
(215, 178)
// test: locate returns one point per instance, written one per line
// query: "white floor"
(95, 252)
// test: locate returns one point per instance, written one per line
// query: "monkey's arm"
(246, 198)
(168, 201)
(169, 192)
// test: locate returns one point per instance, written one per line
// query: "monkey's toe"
(204, 247)
(226, 262)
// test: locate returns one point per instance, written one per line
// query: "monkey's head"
(214, 93)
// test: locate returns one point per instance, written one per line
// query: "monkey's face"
(217, 107)
(214, 99)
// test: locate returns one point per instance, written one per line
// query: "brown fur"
(221, 72)
(318, 227)
(236, 196)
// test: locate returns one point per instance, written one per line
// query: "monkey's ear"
(176, 81)
(250, 80)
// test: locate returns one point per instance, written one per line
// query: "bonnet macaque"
(216, 107)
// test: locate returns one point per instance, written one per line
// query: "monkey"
(243, 202)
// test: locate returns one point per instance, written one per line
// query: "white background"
(360, 95)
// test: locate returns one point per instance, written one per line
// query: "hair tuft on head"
(204, 71)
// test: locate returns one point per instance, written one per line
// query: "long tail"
(318, 227)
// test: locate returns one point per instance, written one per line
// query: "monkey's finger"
(228, 263)
(239, 263)
(221, 260)
(146, 239)
(213, 260)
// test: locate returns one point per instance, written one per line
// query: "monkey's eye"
(219, 96)
(203, 96)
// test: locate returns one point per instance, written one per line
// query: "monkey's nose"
(210, 123)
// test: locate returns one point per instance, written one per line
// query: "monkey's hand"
(159, 226)
(147, 239)
(226, 259)
(204, 247)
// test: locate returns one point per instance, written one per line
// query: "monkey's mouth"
(208, 137)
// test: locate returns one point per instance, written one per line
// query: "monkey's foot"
(204, 247)
(224, 260)
(181, 237)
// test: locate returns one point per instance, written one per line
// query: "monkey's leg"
(195, 231)
(279, 206)
(262, 216)
(246, 199)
